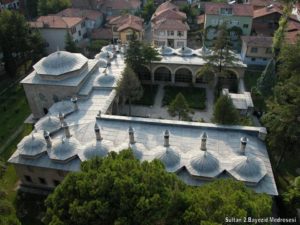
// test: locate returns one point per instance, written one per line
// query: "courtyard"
(199, 97)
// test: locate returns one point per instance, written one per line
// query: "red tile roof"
(260, 3)
(75, 12)
(168, 14)
(54, 21)
(258, 41)
(166, 5)
(121, 4)
(293, 25)
(292, 37)
(267, 11)
(166, 24)
(102, 33)
(123, 18)
(132, 23)
(237, 9)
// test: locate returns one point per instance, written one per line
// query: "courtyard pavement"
(159, 112)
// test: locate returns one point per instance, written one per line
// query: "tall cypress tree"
(267, 79)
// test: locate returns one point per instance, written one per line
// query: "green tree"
(221, 55)
(148, 10)
(37, 44)
(134, 55)
(282, 118)
(267, 80)
(70, 44)
(129, 87)
(7, 212)
(119, 189)
(224, 111)
(292, 196)
(115, 190)
(190, 11)
(150, 54)
(179, 107)
(45, 7)
(95, 46)
(16, 40)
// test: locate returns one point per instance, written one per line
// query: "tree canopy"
(7, 212)
(224, 111)
(70, 44)
(267, 79)
(129, 88)
(45, 7)
(179, 107)
(119, 189)
(148, 10)
(18, 44)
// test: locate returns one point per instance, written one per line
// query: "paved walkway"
(159, 112)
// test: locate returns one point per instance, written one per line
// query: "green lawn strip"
(250, 78)
(195, 97)
(149, 94)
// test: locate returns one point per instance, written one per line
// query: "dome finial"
(65, 126)
(97, 132)
(61, 117)
(203, 141)
(131, 135)
(74, 100)
(47, 139)
(243, 145)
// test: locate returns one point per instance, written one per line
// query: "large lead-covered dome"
(32, 145)
(204, 164)
(169, 156)
(60, 62)
(95, 148)
(48, 123)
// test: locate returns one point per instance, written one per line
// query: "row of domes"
(183, 51)
(203, 164)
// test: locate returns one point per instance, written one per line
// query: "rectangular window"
(170, 33)
(234, 22)
(253, 59)
(79, 33)
(268, 50)
(56, 182)
(42, 181)
(254, 50)
(215, 21)
(179, 33)
(83, 24)
(28, 178)
(162, 33)
(245, 25)
(226, 11)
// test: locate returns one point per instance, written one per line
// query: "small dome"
(104, 55)
(60, 62)
(109, 48)
(95, 148)
(32, 145)
(106, 79)
(185, 51)
(48, 123)
(166, 51)
(169, 156)
(138, 149)
(250, 169)
(204, 164)
(102, 63)
(64, 107)
(64, 149)
(202, 51)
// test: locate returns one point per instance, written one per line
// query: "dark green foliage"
(292, 196)
(267, 79)
(17, 43)
(70, 44)
(115, 190)
(121, 190)
(179, 107)
(195, 97)
(224, 111)
(95, 46)
(7, 213)
(190, 12)
(148, 10)
(129, 87)
(45, 7)
(149, 93)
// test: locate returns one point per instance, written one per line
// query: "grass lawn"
(250, 78)
(148, 98)
(196, 97)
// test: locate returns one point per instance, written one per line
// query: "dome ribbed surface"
(106, 79)
(166, 51)
(48, 123)
(169, 156)
(64, 149)
(32, 145)
(138, 149)
(94, 149)
(185, 51)
(250, 169)
(60, 62)
(64, 107)
(104, 55)
(204, 164)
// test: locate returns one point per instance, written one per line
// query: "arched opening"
(45, 111)
(229, 80)
(144, 73)
(183, 75)
(162, 74)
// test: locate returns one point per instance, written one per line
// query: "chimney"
(244, 141)
(99, 114)
(131, 135)
(203, 141)
(74, 100)
(262, 133)
(47, 139)
(61, 117)
(65, 126)
(166, 138)
(97, 132)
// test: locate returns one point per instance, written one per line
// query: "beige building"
(55, 28)
(169, 27)
(125, 26)
(256, 50)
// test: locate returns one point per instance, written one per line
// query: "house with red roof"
(126, 26)
(54, 29)
(169, 26)
(238, 16)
